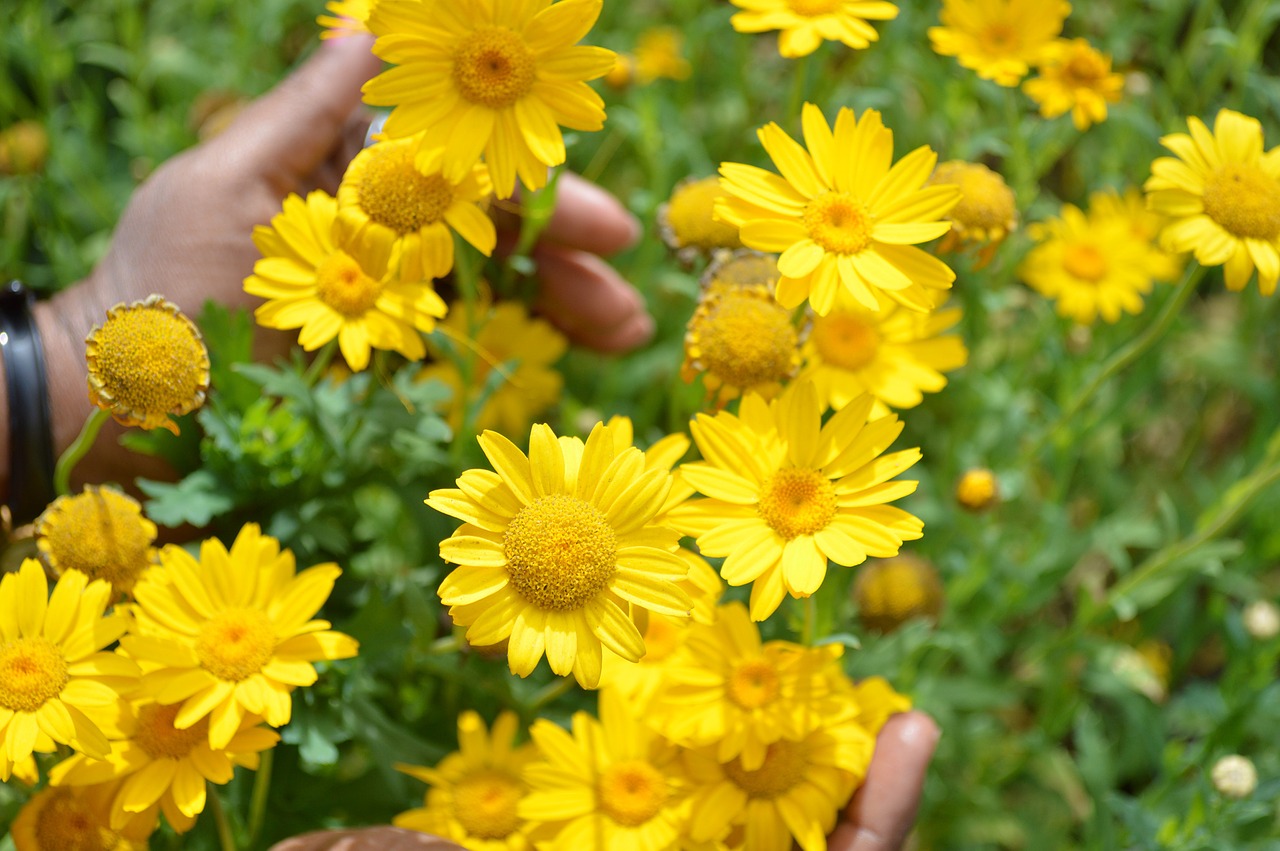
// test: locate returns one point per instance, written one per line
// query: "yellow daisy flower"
(475, 791)
(383, 197)
(687, 222)
(1130, 209)
(795, 796)
(877, 703)
(1222, 193)
(659, 54)
(330, 288)
(1075, 78)
(889, 592)
(787, 494)
(986, 214)
(610, 784)
(739, 338)
(497, 80)
(1000, 39)
(553, 547)
(805, 24)
(101, 533)
(232, 634)
(347, 17)
(728, 690)
(54, 678)
(71, 820)
(896, 355)
(1091, 268)
(159, 764)
(504, 337)
(147, 362)
(840, 216)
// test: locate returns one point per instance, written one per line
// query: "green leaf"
(197, 499)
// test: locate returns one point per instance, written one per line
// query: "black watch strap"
(30, 417)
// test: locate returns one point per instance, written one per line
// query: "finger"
(588, 218)
(589, 301)
(288, 132)
(882, 812)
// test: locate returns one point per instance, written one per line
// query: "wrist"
(28, 446)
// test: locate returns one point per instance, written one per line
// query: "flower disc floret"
(845, 341)
(62, 819)
(838, 222)
(235, 644)
(561, 552)
(394, 193)
(100, 533)
(741, 339)
(632, 792)
(160, 739)
(784, 767)
(147, 362)
(343, 285)
(32, 672)
(1245, 200)
(797, 502)
(485, 804)
(687, 220)
(494, 67)
(753, 683)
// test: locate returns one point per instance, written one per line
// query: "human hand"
(882, 812)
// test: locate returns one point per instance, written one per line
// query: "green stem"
(810, 622)
(261, 791)
(77, 450)
(535, 215)
(321, 363)
(225, 837)
(1127, 354)
(549, 694)
(799, 86)
(1017, 166)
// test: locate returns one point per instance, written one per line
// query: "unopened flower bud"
(977, 489)
(1262, 619)
(1235, 776)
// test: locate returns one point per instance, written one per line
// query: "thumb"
(289, 131)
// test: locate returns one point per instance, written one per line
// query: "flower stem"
(809, 624)
(261, 791)
(225, 838)
(1127, 354)
(321, 363)
(549, 694)
(77, 450)
(799, 86)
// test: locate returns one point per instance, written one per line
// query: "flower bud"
(1235, 776)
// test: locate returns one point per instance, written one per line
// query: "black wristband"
(30, 417)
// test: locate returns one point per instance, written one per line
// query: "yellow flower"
(348, 17)
(1092, 267)
(1000, 39)
(146, 363)
(1129, 208)
(687, 220)
(622, 73)
(503, 337)
(54, 679)
(24, 147)
(475, 790)
(877, 703)
(71, 820)
(794, 796)
(497, 80)
(555, 545)
(329, 287)
(728, 690)
(101, 533)
(896, 355)
(977, 489)
(232, 634)
(611, 784)
(658, 55)
(839, 214)
(892, 591)
(385, 198)
(986, 214)
(805, 24)
(158, 764)
(739, 338)
(1222, 194)
(1075, 78)
(788, 493)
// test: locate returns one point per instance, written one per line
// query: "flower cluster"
(725, 739)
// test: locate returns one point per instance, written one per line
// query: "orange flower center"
(236, 644)
(159, 739)
(32, 671)
(812, 8)
(632, 792)
(661, 638)
(485, 803)
(839, 223)
(845, 340)
(561, 552)
(797, 502)
(743, 337)
(1245, 200)
(67, 823)
(493, 67)
(343, 285)
(1084, 70)
(752, 684)
(784, 766)
(394, 193)
(1085, 261)
(1000, 37)
(986, 201)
